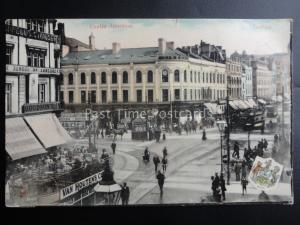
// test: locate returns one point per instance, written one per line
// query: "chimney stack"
(116, 48)
(161, 46)
(170, 44)
(92, 42)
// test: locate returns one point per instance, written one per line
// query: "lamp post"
(248, 128)
(107, 191)
(221, 126)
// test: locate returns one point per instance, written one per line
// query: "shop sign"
(76, 187)
(28, 69)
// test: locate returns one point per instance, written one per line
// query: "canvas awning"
(252, 102)
(20, 142)
(48, 129)
(214, 108)
(262, 101)
(107, 188)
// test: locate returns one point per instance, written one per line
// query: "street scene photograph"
(148, 112)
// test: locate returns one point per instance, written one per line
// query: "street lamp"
(107, 191)
(221, 126)
(249, 127)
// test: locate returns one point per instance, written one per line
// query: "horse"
(116, 132)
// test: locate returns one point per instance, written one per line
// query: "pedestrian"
(236, 150)
(156, 161)
(223, 187)
(244, 173)
(102, 134)
(213, 187)
(164, 162)
(204, 135)
(164, 136)
(113, 147)
(244, 183)
(265, 144)
(165, 152)
(97, 133)
(125, 194)
(161, 180)
(146, 156)
(237, 169)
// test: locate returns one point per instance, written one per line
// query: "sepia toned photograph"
(148, 112)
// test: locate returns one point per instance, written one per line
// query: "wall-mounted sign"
(28, 69)
(76, 187)
(19, 31)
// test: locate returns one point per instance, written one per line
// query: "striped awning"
(48, 129)
(20, 142)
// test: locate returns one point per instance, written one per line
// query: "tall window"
(36, 57)
(176, 76)
(83, 96)
(191, 94)
(210, 78)
(165, 95)
(206, 77)
(103, 96)
(82, 78)
(114, 94)
(70, 79)
(191, 76)
(203, 77)
(165, 76)
(199, 79)
(93, 96)
(150, 76)
(139, 95)
(8, 55)
(185, 94)
(103, 78)
(177, 94)
(71, 96)
(195, 77)
(185, 76)
(125, 77)
(42, 92)
(150, 95)
(125, 95)
(114, 77)
(138, 78)
(8, 99)
(93, 78)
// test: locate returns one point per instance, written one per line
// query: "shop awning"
(252, 102)
(20, 142)
(262, 101)
(48, 129)
(214, 108)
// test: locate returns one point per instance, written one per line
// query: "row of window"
(210, 77)
(195, 94)
(36, 25)
(234, 80)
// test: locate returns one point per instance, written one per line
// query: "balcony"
(44, 106)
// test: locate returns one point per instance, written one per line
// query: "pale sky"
(256, 36)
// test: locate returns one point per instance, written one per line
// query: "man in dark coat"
(161, 180)
(165, 152)
(156, 161)
(204, 135)
(223, 188)
(244, 183)
(164, 162)
(125, 194)
(236, 150)
(113, 147)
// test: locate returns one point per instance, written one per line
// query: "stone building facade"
(152, 75)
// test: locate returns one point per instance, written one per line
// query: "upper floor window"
(138, 77)
(176, 76)
(82, 78)
(8, 55)
(114, 77)
(103, 78)
(191, 76)
(93, 78)
(125, 77)
(185, 76)
(70, 78)
(165, 76)
(150, 76)
(9, 22)
(36, 57)
(36, 25)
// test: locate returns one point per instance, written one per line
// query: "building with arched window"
(135, 76)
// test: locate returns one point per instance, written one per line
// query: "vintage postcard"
(147, 111)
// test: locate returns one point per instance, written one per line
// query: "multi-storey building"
(33, 51)
(131, 77)
(234, 77)
(246, 81)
